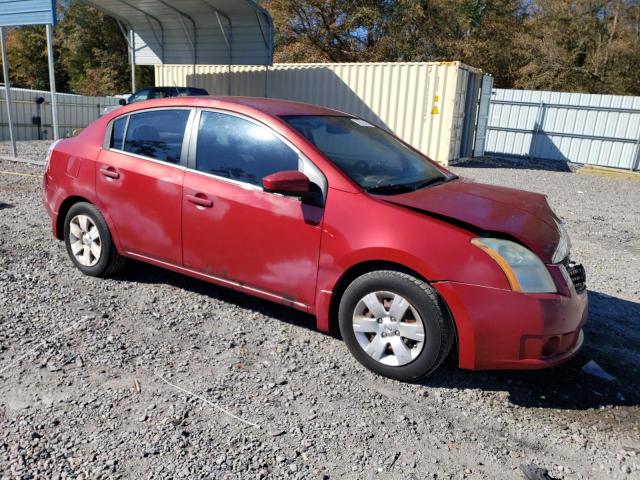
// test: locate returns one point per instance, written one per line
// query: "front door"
(234, 230)
(139, 180)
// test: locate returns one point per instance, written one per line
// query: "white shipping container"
(425, 103)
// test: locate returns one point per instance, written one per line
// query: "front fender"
(359, 228)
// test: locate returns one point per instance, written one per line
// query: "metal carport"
(191, 32)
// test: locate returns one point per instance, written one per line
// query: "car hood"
(525, 216)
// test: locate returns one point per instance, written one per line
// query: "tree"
(478, 32)
(567, 45)
(90, 54)
(582, 45)
(27, 58)
(93, 52)
(328, 30)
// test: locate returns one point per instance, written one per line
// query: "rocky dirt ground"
(84, 366)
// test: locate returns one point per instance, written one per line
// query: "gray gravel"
(88, 402)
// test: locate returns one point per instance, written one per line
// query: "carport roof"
(212, 32)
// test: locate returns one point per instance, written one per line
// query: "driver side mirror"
(288, 182)
(122, 101)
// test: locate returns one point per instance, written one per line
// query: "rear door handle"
(200, 199)
(110, 172)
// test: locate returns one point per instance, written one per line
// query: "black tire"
(109, 260)
(438, 329)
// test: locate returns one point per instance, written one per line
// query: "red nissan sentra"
(324, 212)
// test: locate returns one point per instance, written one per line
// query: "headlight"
(524, 270)
(564, 244)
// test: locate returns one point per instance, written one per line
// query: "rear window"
(196, 91)
(186, 92)
(157, 134)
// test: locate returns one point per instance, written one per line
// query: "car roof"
(270, 106)
(278, 107)
(168, 89)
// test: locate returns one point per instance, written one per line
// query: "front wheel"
(395, 325)
(89, 243)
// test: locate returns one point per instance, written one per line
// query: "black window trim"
(185, 137)
(302, 158)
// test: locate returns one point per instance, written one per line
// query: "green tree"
(90, 54)
(93, 52)
(567, 45)
(582, 45)
(27, 58)
(478, 32)
(328, 30)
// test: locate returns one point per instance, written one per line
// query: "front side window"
(370, 156)
(157, 134)
(235, 148)
(117, 133)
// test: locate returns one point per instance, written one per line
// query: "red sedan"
(324, 212)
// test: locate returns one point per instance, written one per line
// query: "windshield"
(373, 158)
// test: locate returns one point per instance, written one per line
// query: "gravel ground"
(92, 401)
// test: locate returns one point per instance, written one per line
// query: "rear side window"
(139, 96)
(157, 134)
(157, 94)
(238, 149)
(117, 133)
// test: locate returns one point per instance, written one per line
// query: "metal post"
(635, 160)
(52, 83)
(132, 53)
(7, 93)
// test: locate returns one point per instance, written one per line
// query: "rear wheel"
(89, 243)
(395, 325)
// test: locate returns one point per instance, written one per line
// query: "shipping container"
(430, 105)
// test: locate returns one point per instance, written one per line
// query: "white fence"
(592, 129)
(74, 111)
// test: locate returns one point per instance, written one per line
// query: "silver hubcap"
(388, 328)
(85, 240)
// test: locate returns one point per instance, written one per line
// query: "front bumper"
(502, 329)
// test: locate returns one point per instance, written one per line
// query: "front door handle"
(110, 172)
(200, 199)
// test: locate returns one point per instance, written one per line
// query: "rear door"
(234, 230)
(139, 179)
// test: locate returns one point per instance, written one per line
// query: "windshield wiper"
(434, 181)
(395, 188)
(390, 189)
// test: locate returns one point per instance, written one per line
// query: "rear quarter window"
(157, 134)
(117, 133)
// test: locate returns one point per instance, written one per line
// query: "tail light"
(49, 154)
